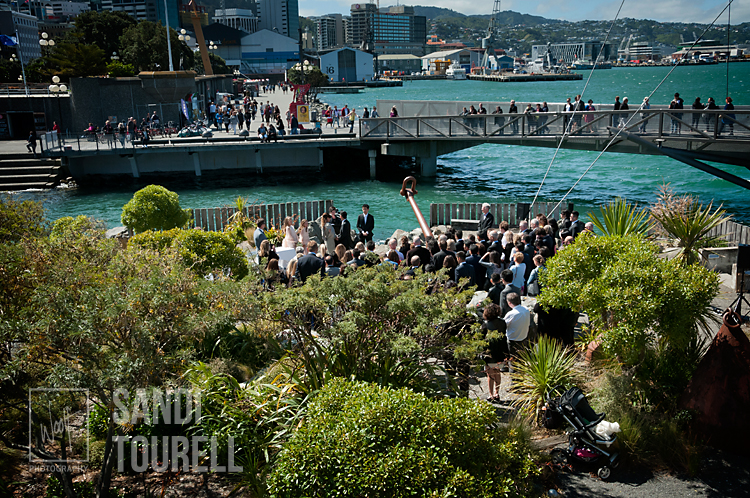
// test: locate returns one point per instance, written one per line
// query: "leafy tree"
(77, 60)
(218, 64)
(117, 69)
(154, 208)
(9, 71)
(633, 298)
(313, 76)
(144, 46)
(102, 29)
(20, 219)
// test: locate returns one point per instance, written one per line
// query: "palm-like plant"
(687, 221)
(620, 218)
(539, 369)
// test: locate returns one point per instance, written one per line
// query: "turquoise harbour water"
(491, 173)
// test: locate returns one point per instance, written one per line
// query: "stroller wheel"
(604, 472)
(559, 457)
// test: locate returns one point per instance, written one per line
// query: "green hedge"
(363, 440)
(204, 252)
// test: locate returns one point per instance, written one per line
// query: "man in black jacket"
(480, 273)
(464, 270)
(310, 264)
(507, 277)
(365, 224)
(419, 250)
(576, 225)
(438, 257)
(485, 222)
(344, 235)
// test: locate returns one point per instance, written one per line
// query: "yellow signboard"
(303, 114)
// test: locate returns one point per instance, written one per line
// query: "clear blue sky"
(702, 11)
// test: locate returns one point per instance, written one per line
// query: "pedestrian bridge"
(688, 136)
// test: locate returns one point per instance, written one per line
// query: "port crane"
(488, 42)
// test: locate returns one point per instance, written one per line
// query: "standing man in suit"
(576, 225)
(310, 264)
(344, 235)
(480, 273)
(365, 224)
(485, 222)
(464, 270)
(260, 233)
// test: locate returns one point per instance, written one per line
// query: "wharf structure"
(424, 131)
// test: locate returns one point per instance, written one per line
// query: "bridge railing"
(216, 219)
(682, 123)
(513, 213)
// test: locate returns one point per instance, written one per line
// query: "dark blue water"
(491, 173)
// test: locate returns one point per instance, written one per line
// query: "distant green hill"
(506, 17)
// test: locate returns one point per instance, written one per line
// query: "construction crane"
(195, 17)
(488, 42)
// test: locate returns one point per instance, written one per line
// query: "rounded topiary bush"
(154, 208)
(360, 439)
(204, 252)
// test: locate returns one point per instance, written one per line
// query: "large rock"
(398, 234)
(719, 392)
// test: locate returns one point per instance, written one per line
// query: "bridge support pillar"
(373, 154)
(134, 167)
(197, 163)
(428, 164)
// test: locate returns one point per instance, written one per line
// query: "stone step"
(25, 186)
(9, 179)
(24, 170)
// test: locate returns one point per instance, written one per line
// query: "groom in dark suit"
(485, 222)
(365, 224)
(344, 235)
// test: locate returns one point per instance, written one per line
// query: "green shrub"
(154, 208)
(359, 439)
(204, 252)
(20, 219)
(68, 226)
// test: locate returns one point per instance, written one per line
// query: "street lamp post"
(114, 56)
(57, 88)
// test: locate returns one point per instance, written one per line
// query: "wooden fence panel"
(433, 215)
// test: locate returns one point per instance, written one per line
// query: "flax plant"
(539, 369)
(619, 217)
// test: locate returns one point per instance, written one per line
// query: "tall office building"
(395, 31)
(27, 27)
(143, 10)
(281, 16)
(330, 31)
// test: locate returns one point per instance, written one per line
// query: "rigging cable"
(570, 122)
(729, 22)
(623, 127)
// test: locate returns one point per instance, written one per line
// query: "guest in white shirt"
(517, 322)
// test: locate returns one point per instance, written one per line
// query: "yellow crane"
(195, 17)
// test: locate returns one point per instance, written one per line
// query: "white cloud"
(702, 11)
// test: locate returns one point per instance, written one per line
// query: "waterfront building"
(569, 52)
(279, 16)
(144, 10)
(407, 63)
(242, 19)
(308, 40)
(465, 57)
(641, 51)
(393, 31)
(712, 48)
(347, 64)
(261, 53)
(27, 27)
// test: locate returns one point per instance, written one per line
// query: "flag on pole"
(184, 107)
(8, 41)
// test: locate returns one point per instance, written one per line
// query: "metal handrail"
(527, 124)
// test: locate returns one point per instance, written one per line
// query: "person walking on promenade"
(727, 119)
(374, 113)
(711, 117)
(31, 142)
(616, 107)
(624, 117)
(676, 103)
(352, 117)
(697, 106)
(646, 105)
(499, 120)
(513, 110)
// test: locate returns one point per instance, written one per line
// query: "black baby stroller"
(585, 445)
